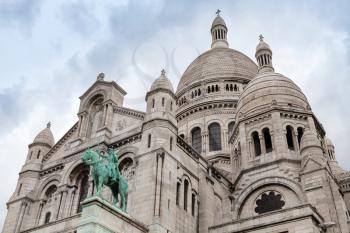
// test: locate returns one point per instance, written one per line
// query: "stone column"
(63, 204)
(109, 115)
(295, 139)
(58, 205)
(83, 124)
(71, 201)
(21, 216)
(262, 144)
(37, 219)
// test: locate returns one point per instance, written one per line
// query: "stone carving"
(105, 172)
(269, 201)
(121, 124)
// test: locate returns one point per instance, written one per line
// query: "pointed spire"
(219, 32)
(263, 56)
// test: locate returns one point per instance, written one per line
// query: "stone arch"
(51, 180)
(88, 100)
(67, 173)
(252, 188)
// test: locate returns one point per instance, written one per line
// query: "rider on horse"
(112, 165)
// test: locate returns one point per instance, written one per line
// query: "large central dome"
(218, 63)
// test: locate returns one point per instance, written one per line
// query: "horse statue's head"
(89, 156)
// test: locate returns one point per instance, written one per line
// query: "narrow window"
(231, 87)
(178, 186)
(212, 88)
(185, 194)
(38, 155)
(153, 103)
(230, 127)
(171, 143)
(171, 106)
(19, 189)
(216, 88)
(256, 142)
(227, 88)
(197, 139)
(199, 92)
(182, 136)
(267, 139)
(47, 217)
(84, 188)
(208, 89)
(214, 137)
(300, 134)
(149, 141)
(163, 100)
(31, 155)
(235, 88)
(192, 95)
(193, 203)
(289, 136)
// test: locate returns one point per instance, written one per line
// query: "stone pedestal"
(99, 216)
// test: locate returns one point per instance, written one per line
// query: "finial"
(261, 37)
(218, 12)
(48, 124)
(162, 72)
(100, 76)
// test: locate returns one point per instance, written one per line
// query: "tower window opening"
(171, 106)
(231, 87)
(182, 136)
(235, 87)
(256, 141)
(208, 89)
(227, 88)
(163, 100)
(230, 127)
(289, 136)
(199, 92)
(214, 137)
(216, 88)
(196, 139)
(31, 155)
(19, 189)
(178, 186)
(153, 103)
(212, 88)
(47, 217)
(185, 194)
(38, 155)
(193, 204)
(300, 134)
(267, 139)
(84, 188)
(149, 141)
(171, 143)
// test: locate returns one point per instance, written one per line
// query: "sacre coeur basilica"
(235, 149)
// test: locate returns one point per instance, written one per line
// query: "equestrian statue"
(105, 172)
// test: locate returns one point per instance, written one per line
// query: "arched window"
(216, 88)
(153, 103)
(149, 141)
(171, 106)
(212, 88)
(235, 88)
(84, 188)
(289, 136)
(178, 186)
(267, 139)
(163, 100)
(230, 127)
(19, 189)
(47, 217)
(50, 191)
(214, 137)
(38, 155)
(182, 136)
(193, 203)
(31, 155)
(256, 141)
(185, 194)
(227, 88)
(208, 89)
(300, 134)
(196, 139)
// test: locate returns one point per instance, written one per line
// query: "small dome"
(162, 83)
(262, 45)
(218, 21)
(270, 89)
(45, 136)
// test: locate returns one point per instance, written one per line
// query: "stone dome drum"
(270, 89)
(218, 63)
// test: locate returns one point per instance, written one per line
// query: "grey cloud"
(19, 13)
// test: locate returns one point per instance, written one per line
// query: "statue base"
(99, 216)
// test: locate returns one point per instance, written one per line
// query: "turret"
(263, 56)
(219, 32)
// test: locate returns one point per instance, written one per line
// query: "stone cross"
(218, 12)
(261, 37)
(162, 72)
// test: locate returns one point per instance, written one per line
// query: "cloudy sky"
(51, 52)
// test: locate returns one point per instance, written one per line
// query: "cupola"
(263, 56)
(219, 32)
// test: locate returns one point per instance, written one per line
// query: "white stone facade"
(236, 148)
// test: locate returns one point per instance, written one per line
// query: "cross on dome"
(163, 72)
(218, 12)
(261, 37)
(48, 124)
